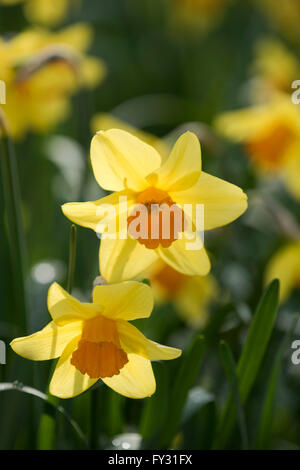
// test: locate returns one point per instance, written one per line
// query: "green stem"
(15, 232)
(47, 428)
(72, 257)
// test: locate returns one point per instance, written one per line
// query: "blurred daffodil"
(200, 15)
(285, 266)
(125, 164)
(190, 295)
(104, 122)
(274, 69)
(45, 12)
(96, 341)
(42, 71)
(270, 134)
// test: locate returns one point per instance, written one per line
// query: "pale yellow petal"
(104, 122)
(285, 266)
(97, 214)
(223, 202)
(127, 300)
(192, 262)
(121, 260)
(48, 343)
(192, 303)
(67, 381)
(64, 308)
(121, 160)
(182, 169)
(92, 71)
(136, 378)
(133, 341)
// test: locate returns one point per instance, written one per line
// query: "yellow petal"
(48, 343)
(121, 160)
(64, 308)
(78, 35)
(182, 169)
(45, 12)
(121, 260)
(285, 266)
(67, 381)
(192, 303)
(186, 261)
(92, 71)
(133, 341)
(128, 300)
(91, 214)
(136, 379)
(103, 122)
(223, 202)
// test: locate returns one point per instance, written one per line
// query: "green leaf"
(265, 428)
(197, 398)
(51, 408)
(251, 358)
(229, 367)
(185, 379)
(154, 410)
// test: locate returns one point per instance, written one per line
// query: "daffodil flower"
(270, 134)
(41, 71)
(285, 266)
(190, 295)
(96, 341)
(125, 164)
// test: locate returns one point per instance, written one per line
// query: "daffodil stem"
(47, 429)
(72, 257)
(14, 224)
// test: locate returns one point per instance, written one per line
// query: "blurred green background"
(162, 75)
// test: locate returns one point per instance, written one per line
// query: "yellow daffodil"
(104, 122)
(285, 266)
(96, 341)
(46, 12)
(199, 14)
(270, 134)
(191, 295)
(274, 69)
(130, 167)
(42, 71)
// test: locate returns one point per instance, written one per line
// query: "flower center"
(269, 150)
(156, 220)
(99, 353)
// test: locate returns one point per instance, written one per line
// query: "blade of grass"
(265, 427)
(16, 386)
(251, 357)
(185, 379)
(230, 367)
